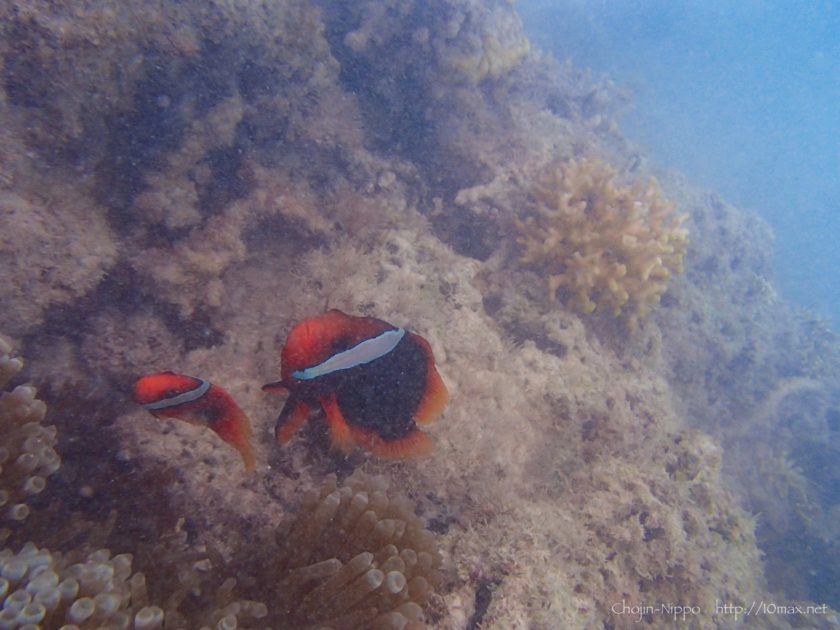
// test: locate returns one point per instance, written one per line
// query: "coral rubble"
(605, 245)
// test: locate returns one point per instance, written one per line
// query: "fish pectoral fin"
(293, 415)
(277, 386)
(340, 432)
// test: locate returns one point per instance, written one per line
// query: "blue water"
(743, 97)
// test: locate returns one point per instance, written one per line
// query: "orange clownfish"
(197, 401)
(374, 381)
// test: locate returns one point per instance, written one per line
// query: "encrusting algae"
(607, 246)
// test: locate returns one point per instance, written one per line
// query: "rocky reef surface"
(182, 182)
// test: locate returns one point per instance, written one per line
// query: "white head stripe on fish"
(364, 352)
(188, 396)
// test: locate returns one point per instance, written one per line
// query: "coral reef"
(218, 171)
(604, 245)
(761, 377)
(480, 41)
(184, 106)
(508, 497)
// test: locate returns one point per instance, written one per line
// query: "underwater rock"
(759, 375)
(470, 41)
(121, 345)
(55, 247)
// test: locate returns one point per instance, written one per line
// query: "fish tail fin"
(235, 429)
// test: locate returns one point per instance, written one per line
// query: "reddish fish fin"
(434, 399)
(277, 386)
(345, 436)
(415, 444)
(436, 395)
(235, 429)
(294, 414)
(340, 432)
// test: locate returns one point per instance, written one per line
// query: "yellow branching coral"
(605, 245)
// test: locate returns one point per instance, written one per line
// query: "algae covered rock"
(53, 251)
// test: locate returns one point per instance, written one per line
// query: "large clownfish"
(199, 402)
(374, 381)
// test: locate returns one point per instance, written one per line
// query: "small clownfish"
(374, 381)
(194, 400)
